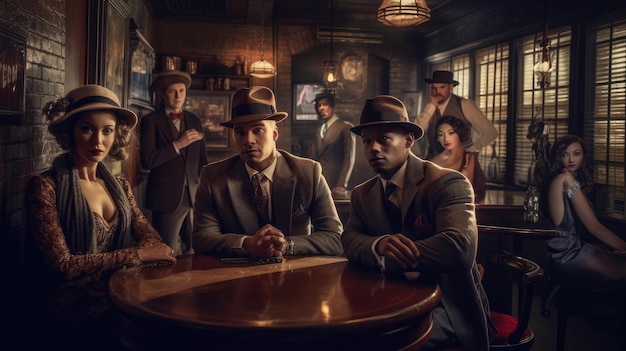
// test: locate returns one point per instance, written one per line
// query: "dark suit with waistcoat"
(173, 178)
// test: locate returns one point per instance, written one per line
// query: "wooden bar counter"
(304, 303)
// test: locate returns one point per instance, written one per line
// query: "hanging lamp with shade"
(331, 67)
(543, 65)
(403, 13)
(262, 68)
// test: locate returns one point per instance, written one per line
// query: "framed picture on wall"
(413, 102)
(13, 62)
(142, 63)
(212, 107)
(303, 101)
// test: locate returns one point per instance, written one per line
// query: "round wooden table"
(305, 303)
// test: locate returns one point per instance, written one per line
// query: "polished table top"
(308, 299)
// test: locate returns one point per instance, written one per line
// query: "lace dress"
(573, 261)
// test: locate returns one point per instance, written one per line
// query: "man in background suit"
(172, 148)
(335, 144)
(294, 213)
(429, 229)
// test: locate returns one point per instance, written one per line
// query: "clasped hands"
(399, 249)
(268, 241)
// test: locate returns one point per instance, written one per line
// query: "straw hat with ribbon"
(87, 98)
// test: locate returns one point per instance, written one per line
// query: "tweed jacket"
(438, 214)
(336, 153)
(169, 171)
(302, 207)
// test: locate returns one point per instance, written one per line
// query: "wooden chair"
(513, 330)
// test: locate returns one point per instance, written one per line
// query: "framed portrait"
(413, 102)
(304, 101)
(212, 107)
(13, 63)
(142, 62)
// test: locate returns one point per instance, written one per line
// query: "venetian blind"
(549, 104)
(605, 119)
(492, 70)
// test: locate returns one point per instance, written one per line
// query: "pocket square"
(422, 225)
(299, 211)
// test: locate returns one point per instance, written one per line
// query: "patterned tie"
(261, 199)
(393, 212)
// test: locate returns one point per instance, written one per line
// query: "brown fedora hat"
(91, 97)
(325, 95)
(386, 110)
(164, 79)
(254, 104)
(444, 77)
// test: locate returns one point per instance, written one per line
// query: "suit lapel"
(283, 191)
(240, 187)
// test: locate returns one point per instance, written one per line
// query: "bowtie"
(175, 116)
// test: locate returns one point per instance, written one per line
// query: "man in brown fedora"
(172, 148)
(429, 230)
(442, 102)
(263, 201)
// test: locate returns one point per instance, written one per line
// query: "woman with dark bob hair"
(84, 222)
(570, 259)
(452, 134)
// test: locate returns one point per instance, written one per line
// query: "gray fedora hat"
(386, 110)
(254, 104)
(444, 77)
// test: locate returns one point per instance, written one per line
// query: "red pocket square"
(422, 225)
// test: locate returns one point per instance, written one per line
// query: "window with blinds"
(461, 73)
(492, 71)
(549, 104)
(605, 117)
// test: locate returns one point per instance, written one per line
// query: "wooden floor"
(582, 335)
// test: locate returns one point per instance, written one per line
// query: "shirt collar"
(398, 178)
(268, 171)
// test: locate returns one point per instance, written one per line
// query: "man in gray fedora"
(419, 219)
(263, 202)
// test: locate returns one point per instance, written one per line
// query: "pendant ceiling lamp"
(403, 13)
(262, 68)
(543, 65)
(331, 67)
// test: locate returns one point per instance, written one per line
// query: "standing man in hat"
(429, 229)
(263, 202)
(442, 102)
(335, 144)
(172, 148)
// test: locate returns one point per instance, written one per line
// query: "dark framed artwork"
(304, 101)
(352, 76)
(115, 49)
(12, 76)
(212, 107)
(142, 62)
(413, 102)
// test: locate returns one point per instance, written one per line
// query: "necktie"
(261, 199)
(324, 128)
(393, 212)
(175, 116)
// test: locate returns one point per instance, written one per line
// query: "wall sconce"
(331, 67)
(262, 68)
(403, 13)
(543, 66)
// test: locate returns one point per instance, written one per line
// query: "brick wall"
(27, 149)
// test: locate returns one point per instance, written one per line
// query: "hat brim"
(278, 117)
(127, 115)
(165, 80)
(431, 81)
(417, 131)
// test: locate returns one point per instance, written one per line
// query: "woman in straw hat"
(84, 222)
